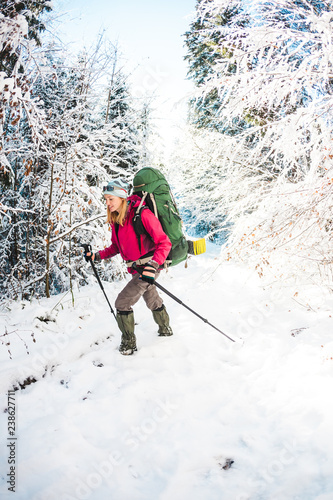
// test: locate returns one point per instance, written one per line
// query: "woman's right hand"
(88, 254)
(94, 256)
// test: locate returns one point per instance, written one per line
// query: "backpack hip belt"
(140, 262)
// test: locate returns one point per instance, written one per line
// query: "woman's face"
(113, 202)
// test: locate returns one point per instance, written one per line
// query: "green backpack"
(151, 185)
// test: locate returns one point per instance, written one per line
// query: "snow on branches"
(59, 144)
(270, 84)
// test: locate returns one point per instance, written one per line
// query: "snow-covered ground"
(161, 425)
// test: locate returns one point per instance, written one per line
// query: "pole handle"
(87, 248)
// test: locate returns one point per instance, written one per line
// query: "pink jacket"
(125, 240)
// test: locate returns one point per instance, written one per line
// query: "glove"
(89, 255)
(149, 272)
(87, 252)
(96, 257)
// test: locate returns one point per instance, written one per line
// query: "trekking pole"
(182, 303)
(87, 248)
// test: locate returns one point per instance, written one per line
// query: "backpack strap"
(116, 228)
(153, 203)
(138, 226)
(144, 195)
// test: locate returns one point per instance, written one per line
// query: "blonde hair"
(117, 217)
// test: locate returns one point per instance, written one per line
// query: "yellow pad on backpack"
(196, 247)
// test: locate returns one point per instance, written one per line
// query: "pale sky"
(149, 35)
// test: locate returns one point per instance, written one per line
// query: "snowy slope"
(160, 425)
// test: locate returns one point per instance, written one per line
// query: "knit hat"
(117, 188)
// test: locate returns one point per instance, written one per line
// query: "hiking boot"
(161, 317)
(125, 351)
(125, 320)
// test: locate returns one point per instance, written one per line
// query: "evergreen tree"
(24, 18)
(21, 128)
(120, 150)
(205, 47)
(19, 36)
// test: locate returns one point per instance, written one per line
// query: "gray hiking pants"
(135, 289)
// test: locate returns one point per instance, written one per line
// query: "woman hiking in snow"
(149, 253)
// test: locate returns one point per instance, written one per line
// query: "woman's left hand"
(148, 273)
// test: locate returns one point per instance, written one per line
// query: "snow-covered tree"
(20, 28)
(118, 115)
(21, 120)
(87, 150)
(58, 179)
(204, 46)
(275, 173)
